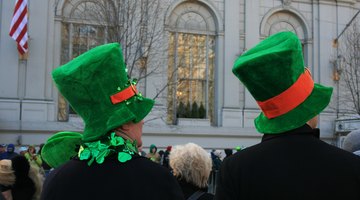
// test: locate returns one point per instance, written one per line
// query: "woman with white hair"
(352, 142)
(191, 166)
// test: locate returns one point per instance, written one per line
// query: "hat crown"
(272, 66)
(88, 82)
(91, 78)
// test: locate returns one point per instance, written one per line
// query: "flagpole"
(19, 32)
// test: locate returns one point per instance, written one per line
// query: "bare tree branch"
(349, 69)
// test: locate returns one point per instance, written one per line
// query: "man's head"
(23, 150)
(10, 148)
(274, 73)
(2, 148)
(168, 148)
(228, 152)
(153, 148)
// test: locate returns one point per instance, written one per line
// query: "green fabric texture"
(89, 80)
(271, 67)
(60, 147)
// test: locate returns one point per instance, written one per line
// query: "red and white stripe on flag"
(18, 28)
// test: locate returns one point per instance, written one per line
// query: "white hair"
(191, 163)
(352, 141)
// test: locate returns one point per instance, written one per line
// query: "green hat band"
(270, 71)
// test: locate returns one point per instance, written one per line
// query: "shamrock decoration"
(99, 150)
(123, 157)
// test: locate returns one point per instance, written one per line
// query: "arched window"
(82, 29)
(191, 63)
(89, 23)
(284, 20)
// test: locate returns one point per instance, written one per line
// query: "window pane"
(192, 56)
(86, 37)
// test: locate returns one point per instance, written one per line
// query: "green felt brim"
(312, 106)
(60, 148)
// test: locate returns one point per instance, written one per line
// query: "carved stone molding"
(286, 2)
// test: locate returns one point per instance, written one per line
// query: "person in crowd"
(216, 164)
(153, 155)
(7, 178)
(28, 182)
(216, 159)
(10, 152)
(191, 166)
(352, 142)
(141, 151)
(291, 162)
(165, 159)
(161, 154)
(23, 150)
(2, 148)
(2, 151)
(228, 152)
(103, 162)
(33, 158)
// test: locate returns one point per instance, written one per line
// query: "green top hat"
(97, 87)
(273, 71)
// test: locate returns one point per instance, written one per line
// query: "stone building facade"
(201, 37)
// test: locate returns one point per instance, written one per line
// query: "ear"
(125, 127)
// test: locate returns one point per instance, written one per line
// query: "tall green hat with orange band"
(274, 73)
(97, 86)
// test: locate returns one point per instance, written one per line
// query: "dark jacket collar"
(303, 130)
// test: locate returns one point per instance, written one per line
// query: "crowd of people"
(26, 165)
(106, 161)
(21, 174)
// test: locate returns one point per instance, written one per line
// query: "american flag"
(18, 28)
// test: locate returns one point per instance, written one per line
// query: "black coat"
(136, 179)
(189, 189)
(291, 165)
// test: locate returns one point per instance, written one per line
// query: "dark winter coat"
(292, 165)
(189, 189)
(136, 179)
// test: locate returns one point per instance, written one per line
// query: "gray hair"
(191, 163)
(352, 141)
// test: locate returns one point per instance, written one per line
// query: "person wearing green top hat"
(291, 162)
(103, 161)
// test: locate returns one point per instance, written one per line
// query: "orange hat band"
(290, 98)
(124, 94)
